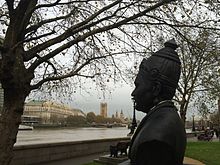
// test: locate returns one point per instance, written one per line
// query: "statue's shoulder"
(160, 125)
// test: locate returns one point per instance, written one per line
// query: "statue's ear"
(156, 88)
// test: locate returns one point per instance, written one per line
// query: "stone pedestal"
(106, 159)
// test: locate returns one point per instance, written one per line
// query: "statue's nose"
(132, 94)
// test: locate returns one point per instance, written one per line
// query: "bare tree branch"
(36, 26)
(70, 74)
(47, 5)
(22, 9)
(68, 32)
(10, 4)
(81, 38)
(38, 37)
(181, 25)
(87, 76)
(112, 26)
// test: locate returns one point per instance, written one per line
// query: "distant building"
(116, 114)
(49, 112)
(103, 109)
(122, 115)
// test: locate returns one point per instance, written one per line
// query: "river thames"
(39, 136)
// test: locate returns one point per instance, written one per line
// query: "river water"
(39, 136)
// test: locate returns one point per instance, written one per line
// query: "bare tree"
(198, 57)
(39, 32)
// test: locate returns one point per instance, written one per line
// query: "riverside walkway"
(72, 153)
(89, 158)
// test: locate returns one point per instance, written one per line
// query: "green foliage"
(81, 121)
(206, 152)
(76, 121)
(90, 117)
(100, 119)
(215, 118)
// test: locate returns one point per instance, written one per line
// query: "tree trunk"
(9, 122)
(183, 112)
(183, 116)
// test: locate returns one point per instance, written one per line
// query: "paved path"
(75, 161)
(194, 139)
(90, 158)
(190, 161)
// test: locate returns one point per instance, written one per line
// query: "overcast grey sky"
(119, 99)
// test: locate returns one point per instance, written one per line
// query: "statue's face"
(143, 92)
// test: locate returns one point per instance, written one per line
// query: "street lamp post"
(193, 124)
(134, 123)
(218, 118)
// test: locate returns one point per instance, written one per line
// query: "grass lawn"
(206, 152)
(93, 163)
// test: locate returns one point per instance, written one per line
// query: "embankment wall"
(38, 153)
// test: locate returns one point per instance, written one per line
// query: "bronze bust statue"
(160, 138)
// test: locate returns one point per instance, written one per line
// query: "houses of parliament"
(104, 112)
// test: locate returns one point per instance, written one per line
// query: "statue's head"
(157, 78)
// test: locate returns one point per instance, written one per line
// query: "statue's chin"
(143, 108)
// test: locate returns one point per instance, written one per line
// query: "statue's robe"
(160, 138)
